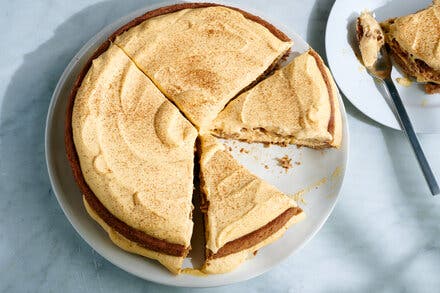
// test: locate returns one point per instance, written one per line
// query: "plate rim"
(57, 189)
(354, 102)
(356, 105)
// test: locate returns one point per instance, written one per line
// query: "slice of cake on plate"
(414, 43)
(242, 212)
(298, 104)
(132, 153)
(202, 57)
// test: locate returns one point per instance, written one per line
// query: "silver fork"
(382, 71)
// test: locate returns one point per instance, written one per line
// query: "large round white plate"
(354, 81)
(325, 169)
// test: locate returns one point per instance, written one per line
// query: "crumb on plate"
(285, 162)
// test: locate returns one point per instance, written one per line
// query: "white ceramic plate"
(315, 167)
(353, 79)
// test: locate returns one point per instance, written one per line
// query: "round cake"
(151, 100)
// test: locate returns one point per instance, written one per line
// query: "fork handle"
(412, 137)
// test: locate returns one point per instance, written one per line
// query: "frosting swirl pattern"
(201, 58)
(136, 150)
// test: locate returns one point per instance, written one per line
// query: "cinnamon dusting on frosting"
(239, 202)
(201, 58)
(126, 134)
(295, 105)
(418, 34)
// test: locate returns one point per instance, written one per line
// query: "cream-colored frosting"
(136, 150)
(238, 201)
(172, 263)
(230, 262)
(371, 40)
(419, 34)
(291, 106)
(201, 58)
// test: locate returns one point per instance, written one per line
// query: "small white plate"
(354, 81)
(325, 168)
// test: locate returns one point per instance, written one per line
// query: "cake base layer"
(260, 135)
(432, 88)
(139, 237)
(413, 67)
(172, 263)
(227, 263)
(252, 239)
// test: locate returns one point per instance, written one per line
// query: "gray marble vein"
(384, 235)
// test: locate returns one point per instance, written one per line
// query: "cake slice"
(201, 57)
(132, 153)
(414, 44)
(298, 104)
(242, 212)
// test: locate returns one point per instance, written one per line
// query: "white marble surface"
(384, 235)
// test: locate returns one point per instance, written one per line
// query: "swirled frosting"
(293, 105)
(238, 201)
(418, 34)
(201, 58)
(135, 149)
